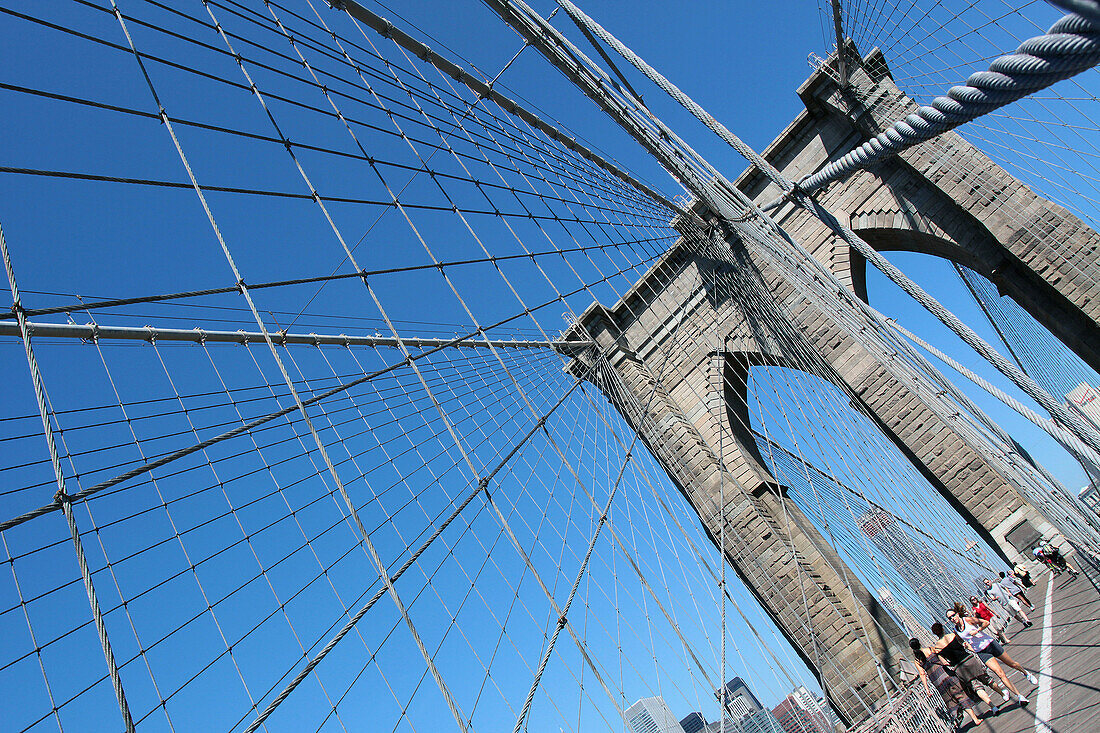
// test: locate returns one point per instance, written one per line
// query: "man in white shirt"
(999, 594)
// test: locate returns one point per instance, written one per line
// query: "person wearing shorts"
(988, 649)
(968, 668)
(1000, 595)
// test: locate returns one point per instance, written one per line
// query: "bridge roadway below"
(1063, 650)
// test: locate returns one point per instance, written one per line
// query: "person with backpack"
(1006, 599)
(1013, 586)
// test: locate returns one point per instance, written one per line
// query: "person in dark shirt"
(967, 668)
(931, 666)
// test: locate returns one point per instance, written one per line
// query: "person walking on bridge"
(982, 611)
(989, 650)
(1012, 585)
(1023, 575)
(959, 660)
(1006, 599)
(930, 666)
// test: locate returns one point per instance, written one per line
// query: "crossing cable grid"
(584, 285)
(410, 389)
(562, 620)
(171, 696)
(1081, 54)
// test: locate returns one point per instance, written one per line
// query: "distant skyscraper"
(912, 627)
(760, 721)
(740, 702)
(801, 712)
(928, 575)
(693, 723)
(793, 719)
(652, 715)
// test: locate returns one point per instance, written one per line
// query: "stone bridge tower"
(688, 402)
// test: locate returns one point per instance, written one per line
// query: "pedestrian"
(1012, 585)
(988, 649)
(960, 661)
(930, 666)
(1023, 574)
(982, 611)
(1006, 599)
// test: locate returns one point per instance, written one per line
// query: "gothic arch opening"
(833, 466)
(1003, 322)
(959, 239)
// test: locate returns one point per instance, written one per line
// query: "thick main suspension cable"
(1072, 45)
(1073, 37)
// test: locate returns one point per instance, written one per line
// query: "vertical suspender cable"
(1086, 50)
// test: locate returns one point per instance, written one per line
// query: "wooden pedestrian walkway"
(1063, 650)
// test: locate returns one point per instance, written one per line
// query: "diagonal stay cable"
(62, 498)
(563, 617)
(481, 486)
(148, 466)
